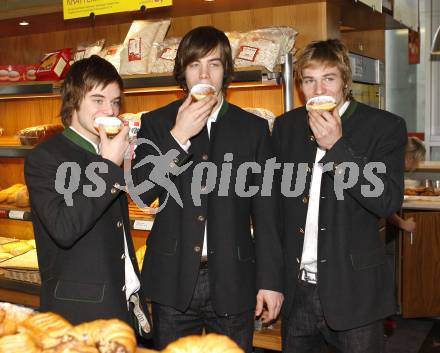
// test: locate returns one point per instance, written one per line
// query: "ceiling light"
(24, 23)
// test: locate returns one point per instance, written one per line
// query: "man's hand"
(114, 149)
(268, 305)
(326, 126)
(192, 117)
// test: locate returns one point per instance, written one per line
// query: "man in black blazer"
(203, 268)
(80, 216)
(338, 275)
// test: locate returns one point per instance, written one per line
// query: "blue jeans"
(306, 331)
(170, 324)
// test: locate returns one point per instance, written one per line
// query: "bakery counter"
(421, 205)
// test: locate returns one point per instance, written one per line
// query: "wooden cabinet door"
(420, 256)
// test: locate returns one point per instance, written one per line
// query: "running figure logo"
(164, 165)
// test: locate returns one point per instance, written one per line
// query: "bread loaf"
(36, 134)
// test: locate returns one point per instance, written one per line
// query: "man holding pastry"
(203, 269)
(338, 275)
(79, 213)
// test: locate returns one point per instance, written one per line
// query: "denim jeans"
(306, 330)
(170, 324)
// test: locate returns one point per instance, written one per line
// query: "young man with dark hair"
(203, 269)
(338, 275)
(80, 215)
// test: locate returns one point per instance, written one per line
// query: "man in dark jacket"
(349, 166)
(80, 215)
(203, 268)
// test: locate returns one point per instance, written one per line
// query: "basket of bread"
(23, 330)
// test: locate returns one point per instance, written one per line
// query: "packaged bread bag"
(164, 55)
(84, 51)
(136, 51)
(112, 54)
(55, 65)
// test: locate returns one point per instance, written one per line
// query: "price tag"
(4, 213)
(142, 225)
(15, 214)
(169, 54)
(248, 53)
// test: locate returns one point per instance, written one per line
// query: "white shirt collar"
(95, 146)
(343, 108)
(214, 114)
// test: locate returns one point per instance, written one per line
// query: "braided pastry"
(72, 347)
(20, 342)
(211, 343)
(45, 328)
(110, 336)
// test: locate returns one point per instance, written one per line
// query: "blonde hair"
(331, 52)
(415, 150)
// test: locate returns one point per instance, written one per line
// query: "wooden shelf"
(429, 167)
(138, 221)
(15, 151)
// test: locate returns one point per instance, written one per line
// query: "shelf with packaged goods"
(245, 77)
(138, 221)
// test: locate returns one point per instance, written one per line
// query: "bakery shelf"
(137, 222)
(243, 77)
(15, 151)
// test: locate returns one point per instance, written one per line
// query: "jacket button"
(301, 230)
(323, 229)
(123, 256)
(113, 190)
(116, 185)
(172, 164)
(323, 261)
(312, 138)
(204, 156)
(201, 218)
(305, 199)
(124, 288)
(308, 169)
(119, 224)
(197, 248)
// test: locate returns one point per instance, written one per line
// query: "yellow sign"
(83, 8)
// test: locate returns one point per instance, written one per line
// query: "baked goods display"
(15, 195)
(36, 134)
(24, 331)
(210, 343)
(18, 247)
(140, 254)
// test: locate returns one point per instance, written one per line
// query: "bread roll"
(8, 195)
(211, 343)
(47, 329)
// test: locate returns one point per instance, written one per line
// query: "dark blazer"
(239, 263)
(355, 280)
(81, 247)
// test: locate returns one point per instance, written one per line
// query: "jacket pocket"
(245, 253)
(370, 259)
(79, 291)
